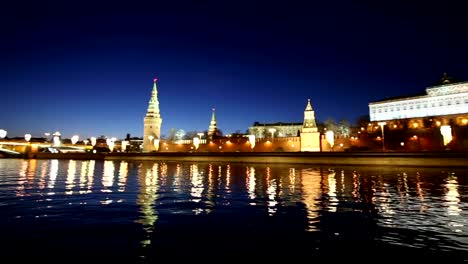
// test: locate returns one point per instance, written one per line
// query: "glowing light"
(110, 143)
(252, 141)
(74, 139)
(155, 79)
(438, 123)
(272, 131)
(382, 124)
(415, 125)
(394, 126)
(446, 132)
(93, 141)
(156, 144)
(402, 143)
(85, 141)
(464, 121)
(3, 133)
(330, 136)
(124, 145)
(196, 142)
(27, 137)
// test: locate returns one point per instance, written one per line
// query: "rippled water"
(119, 211)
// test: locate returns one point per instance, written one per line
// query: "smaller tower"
(212, 129)
(152, 122)
(310, 137)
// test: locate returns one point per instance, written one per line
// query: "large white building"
(442, 100)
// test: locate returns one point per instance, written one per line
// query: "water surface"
(140, 212)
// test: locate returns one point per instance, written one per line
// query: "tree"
(330, 124)
(172, 134)
(180, 134)
(363, 121)
(191, 134)
(344, 128)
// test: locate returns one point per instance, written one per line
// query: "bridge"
(18, 148)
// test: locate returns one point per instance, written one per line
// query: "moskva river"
(146, 212)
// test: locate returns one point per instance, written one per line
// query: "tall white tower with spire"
(152, 122)
(212, 129)
(310, 137)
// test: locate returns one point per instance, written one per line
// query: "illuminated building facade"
(426, 122)
(310, 137)
(280, 129)
(152, 123)
(442, 100)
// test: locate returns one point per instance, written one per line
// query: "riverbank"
(424, 159)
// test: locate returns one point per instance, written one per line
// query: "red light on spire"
(155, 79)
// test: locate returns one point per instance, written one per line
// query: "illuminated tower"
(310, 137)
(212, 129)
(152, 122)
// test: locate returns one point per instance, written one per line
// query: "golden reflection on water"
(147, 197)
(311, 193)
(333, 201)
(123, 172)
(197, 187)
(70, 181)
(42, 178)
(108, 176)
(251, 183)
(54, 166)
(452, 203)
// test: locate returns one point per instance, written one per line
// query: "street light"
(27, 137)
(382, 124)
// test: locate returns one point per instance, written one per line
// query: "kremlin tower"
(152, 123)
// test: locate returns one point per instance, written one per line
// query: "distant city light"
(74, 139)
(57, 140)
(27, 137)
(3, 133)
(93, 141)
(330, 136)
(446, 132)
(196, 142)
(252, 141)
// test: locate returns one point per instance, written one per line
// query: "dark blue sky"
(87, 68)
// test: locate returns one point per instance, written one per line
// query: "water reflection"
(108, 176)
(123, 172)
(147, 197)
(416, 208)
(54, 166)
(311, 194)
(70, 182)
(452, 203)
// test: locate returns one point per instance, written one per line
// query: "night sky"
(87, 68)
